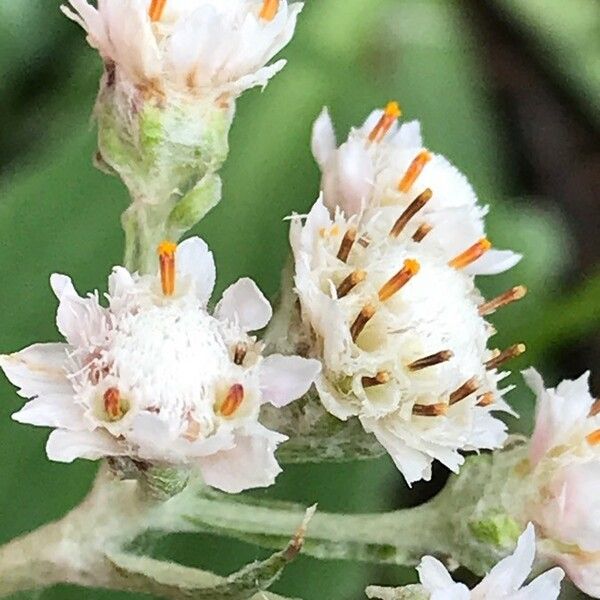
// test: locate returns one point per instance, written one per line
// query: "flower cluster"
(156, 377)
(384, 267)
(201, 47)
(504, 582)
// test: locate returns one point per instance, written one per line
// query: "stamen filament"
(411, 210)
(515, 293)
(157, 8)
(504, 356)
(430, 361)
(430, 410)
(595, 409)
(388, 118)
(470, 255)
(347, 243)
(399, 280)
(350, 282)
(364, 316)
(269, 9)
(414, 170)
(166, 257)
(420, 233)
(466, 389)
(379, 379)
(232, 401)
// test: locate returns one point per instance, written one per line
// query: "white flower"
(386, 167)
(208, 47)
(504, 581)
(401, 338)
(156, 377)
(562, 487)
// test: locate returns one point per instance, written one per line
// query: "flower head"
(156, 377)
(504, 581)
(400, 333)
(563, 480)
(204, 47)
(384, 166)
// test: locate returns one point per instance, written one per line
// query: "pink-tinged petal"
(494, 262)
(250, 464)
(323, 142)
(91, 21)
(195, 260)
(53, 410)
(245, 304)
(542, 438)
(511, 572)
(38, 369)
(582, 570)
(284, 379)
(66, 446)
(119, 282)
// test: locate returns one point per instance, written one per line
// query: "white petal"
(119, 282)
(511, 572)
(323, 141)
(52, 410)
(244, 304)
(494, 262)
(433, 575)
(286, 378)
(66, 446)
(38, 369)
(250, 464)
(544, 587)
(195, 260)
(458, 591)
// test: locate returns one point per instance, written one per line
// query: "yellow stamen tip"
(393, 110)
(412, 266)
(166, 248)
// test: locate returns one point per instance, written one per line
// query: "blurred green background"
(507, 89)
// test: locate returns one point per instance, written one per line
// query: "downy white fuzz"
(156, 377)
(384, 166)
(562, 479)
(504, 582)
(202, 47)
(400, 333)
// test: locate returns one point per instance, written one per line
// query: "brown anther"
(388, 118)
(411, 210)
(157, 8)
(430, 410)
(595, 409)
(485, 399)
(269, 9)
(420, 233)
(239, 353)
(431, 360)
(593, 439)
(504, 356)
(166, 257)
(515, 293)
(470, 255)
(232, 401)
(466, 389)
(112, 404)
(379, 379)
(350, 282)
(192, 433)
(364, 241)
(400, 279)
(364, 316)
(347, 243)
(414, 170)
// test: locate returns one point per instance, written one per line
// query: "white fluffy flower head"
(156, 377)
(504, 582)
(203, 47)
(563, 479)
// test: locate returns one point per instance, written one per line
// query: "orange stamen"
(593, 438)
(430, 410)
(595, 409)
(515, 293)
(414, 170)
(388, 118)
(112, 404)
(399, 280)
(157, 8)
(166, 256)
(232, 401)
(509, 353)
(411, 210)
(269, 9)
(379, 379)
(470, 255)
